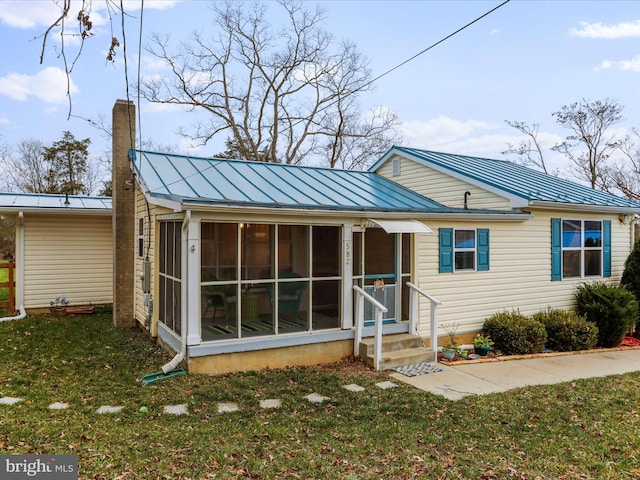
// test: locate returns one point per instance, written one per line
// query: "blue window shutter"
(446, 250)
(556, 249)
(483, 249)
(606, 248)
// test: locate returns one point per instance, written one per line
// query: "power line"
(433, 45)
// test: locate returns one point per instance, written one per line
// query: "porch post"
(193, 282)
(347, 276)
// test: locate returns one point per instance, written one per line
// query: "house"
(63, 248)
(243, 265)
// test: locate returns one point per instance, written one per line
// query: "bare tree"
(29, 172)
(529, 151)
(592, 141)
(625, 174)
(82, 31)
(285, 96)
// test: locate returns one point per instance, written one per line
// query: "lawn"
(586, 429)
(4, 277)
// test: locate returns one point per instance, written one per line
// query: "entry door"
(381, 273)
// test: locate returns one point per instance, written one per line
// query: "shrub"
(613, 309)
(631, 277)
(514, 333)
(567, 331)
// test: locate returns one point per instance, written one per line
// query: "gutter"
(20, 268)
(180, 356)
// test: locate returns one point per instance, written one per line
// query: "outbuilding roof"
(53, 202)
(187, 179)
(523, 185)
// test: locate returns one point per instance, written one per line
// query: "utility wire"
(433, 45)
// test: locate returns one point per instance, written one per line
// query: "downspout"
(20, 268)
(180, 356)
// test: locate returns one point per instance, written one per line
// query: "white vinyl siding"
(67, 255)
(520, 274)
(442, 188)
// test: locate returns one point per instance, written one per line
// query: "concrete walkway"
(455, 382)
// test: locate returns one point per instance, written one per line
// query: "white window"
(581, 248)
(141, 237)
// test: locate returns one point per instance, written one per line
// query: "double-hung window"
(463, 249)
(580, 248)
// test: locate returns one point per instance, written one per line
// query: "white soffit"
(402, 226)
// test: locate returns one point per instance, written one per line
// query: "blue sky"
(523, 62)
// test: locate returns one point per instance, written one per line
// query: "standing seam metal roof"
(222, 181)
(518, 180)
(17, 201)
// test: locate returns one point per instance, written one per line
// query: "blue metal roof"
(234, 182)
(514, 179)
(39, 201)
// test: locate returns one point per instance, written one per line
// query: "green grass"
(585, 429)
(4, 277)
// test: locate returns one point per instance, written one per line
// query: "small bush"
(612, 308)
(631, 277)
(514, 333)
(567, 331)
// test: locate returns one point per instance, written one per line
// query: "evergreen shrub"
(613, 309)
(515, 334)
(631, 278)
(567, 331)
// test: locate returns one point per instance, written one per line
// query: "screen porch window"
(262, 279)
(170, 273)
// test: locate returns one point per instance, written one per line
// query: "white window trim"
(582, 249)
(474, 249)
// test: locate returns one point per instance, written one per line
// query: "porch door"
(385, 270)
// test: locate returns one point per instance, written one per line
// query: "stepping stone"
(10, 400)
(226, 407)
(385, 385)
(58, 406)
(316, 398)
(180, 409)
(353, 387)
(270, 403)
(110, 409)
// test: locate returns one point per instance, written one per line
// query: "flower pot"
(448, 353)
(58, 311)
(482, 351)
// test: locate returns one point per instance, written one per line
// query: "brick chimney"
(123, 198)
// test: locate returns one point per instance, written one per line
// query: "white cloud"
(439, 130)
(632, 65)
(49, 85)
(471, 137)
(598, 30)
(4, 121)
(31, 14)
(187, 145)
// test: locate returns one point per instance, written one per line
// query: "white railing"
(414, 315)
(361, 295)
